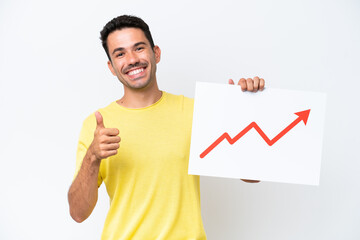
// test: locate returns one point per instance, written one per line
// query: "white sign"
(272, 135)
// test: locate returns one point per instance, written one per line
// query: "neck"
(140, 98)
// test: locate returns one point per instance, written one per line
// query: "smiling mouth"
(135, 71)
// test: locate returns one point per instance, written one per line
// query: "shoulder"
(179, 104)
(179, 99)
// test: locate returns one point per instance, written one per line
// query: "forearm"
(83, 192)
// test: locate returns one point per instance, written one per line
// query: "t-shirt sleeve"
(85, 139)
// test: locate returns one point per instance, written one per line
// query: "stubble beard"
(135, 86)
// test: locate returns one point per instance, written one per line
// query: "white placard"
(272, 135)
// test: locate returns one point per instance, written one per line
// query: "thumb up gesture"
(106, 140)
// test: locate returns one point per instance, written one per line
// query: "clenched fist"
(106, 140)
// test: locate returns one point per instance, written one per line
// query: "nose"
(132, 58)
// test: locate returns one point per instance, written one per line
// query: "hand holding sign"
(106, 140)
(249, 84)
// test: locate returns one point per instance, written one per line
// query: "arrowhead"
(303, 115)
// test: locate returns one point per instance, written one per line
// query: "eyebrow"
(122, 49)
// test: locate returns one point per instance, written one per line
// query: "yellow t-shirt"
(151, 194)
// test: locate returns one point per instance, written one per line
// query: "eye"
(120, 54)
(139, 48)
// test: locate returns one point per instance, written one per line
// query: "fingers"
(110, 153)
(231, 82)
(113, 139)
(256, 83)
(102, 154)
(99, 120)
(111, 146)
(106, 140)
(261, 84)
(109, 131)
(109, 137)
(100, 124)
(251, 85)
(104, 146)
(250, 181)
(242, 83)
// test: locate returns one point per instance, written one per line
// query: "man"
(151, 194)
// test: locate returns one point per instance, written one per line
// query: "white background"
(53, 74)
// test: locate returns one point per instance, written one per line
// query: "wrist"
(92, 158)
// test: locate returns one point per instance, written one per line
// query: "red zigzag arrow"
(303, 116)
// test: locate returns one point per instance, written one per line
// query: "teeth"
(136, 71)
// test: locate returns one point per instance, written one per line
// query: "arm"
(83, 192)
(252, 85)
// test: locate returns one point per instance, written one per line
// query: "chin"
(139, 86)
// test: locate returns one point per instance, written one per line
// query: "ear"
(110, 66)
(157, 52)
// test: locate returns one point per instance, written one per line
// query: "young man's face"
(132, 59)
